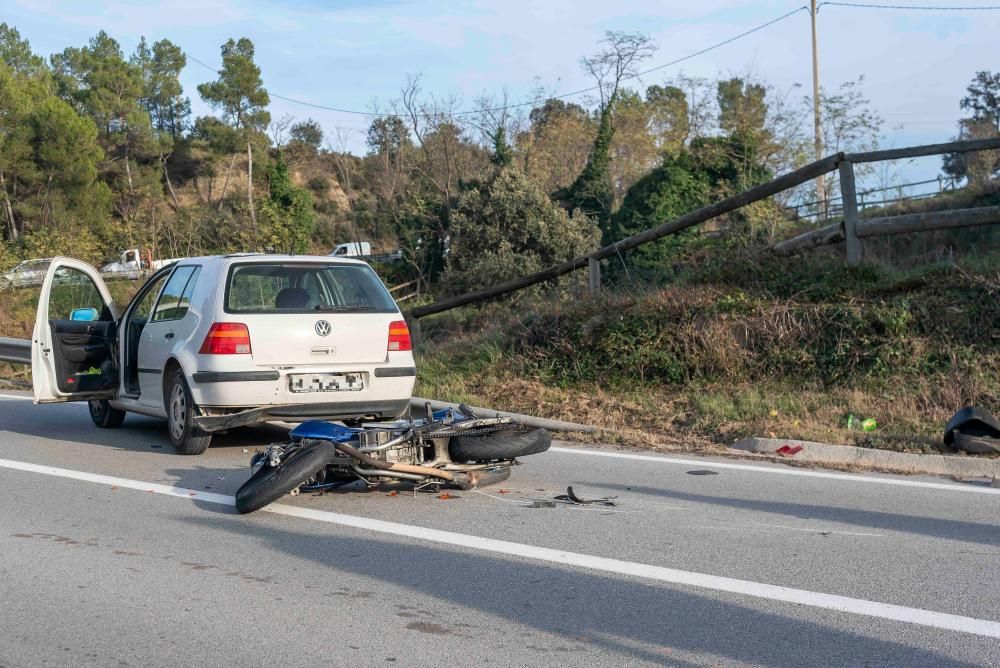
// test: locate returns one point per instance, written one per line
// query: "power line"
(591, 89)
(717, 45)
(910, 7)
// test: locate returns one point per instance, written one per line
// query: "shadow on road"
(647, 621)
(71, 423)
(968, 532)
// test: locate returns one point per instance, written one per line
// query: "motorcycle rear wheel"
(270, 484)
(499, 446)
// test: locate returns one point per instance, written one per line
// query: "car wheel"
(104, 415)
(187, 438)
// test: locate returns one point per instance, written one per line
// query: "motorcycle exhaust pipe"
(387, 466)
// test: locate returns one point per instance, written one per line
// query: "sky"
(355, 54)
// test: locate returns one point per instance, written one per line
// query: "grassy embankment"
(741, 347)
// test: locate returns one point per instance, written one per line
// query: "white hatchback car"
(213, 343)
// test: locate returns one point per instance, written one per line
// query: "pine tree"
(239, 92)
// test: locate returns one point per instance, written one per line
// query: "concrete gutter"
(961, 466)
(417, 406)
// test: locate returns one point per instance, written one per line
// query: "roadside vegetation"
(739, 346)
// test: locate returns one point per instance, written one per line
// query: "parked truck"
(353, 249)
(363, 250)
(135, 262)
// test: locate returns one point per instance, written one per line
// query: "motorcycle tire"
(498, 446)
(270, 484)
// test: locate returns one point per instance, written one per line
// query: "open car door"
(73, 343)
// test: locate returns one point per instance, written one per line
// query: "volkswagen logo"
(323, 327)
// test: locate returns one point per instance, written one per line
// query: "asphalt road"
(114, 551)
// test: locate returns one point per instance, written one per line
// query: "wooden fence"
(851, 230)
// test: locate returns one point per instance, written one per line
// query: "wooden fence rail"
(851, 230)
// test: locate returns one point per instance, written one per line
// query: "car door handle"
(168, 335)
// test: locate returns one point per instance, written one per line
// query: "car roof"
(242, 258)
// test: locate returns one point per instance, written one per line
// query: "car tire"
(186, 437)
(105, 415)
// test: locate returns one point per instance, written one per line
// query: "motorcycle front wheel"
(271, 483)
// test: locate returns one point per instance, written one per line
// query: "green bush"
(505, 226)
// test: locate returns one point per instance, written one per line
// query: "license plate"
(326, 382)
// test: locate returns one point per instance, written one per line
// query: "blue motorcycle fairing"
(324, 431)
(338, 433)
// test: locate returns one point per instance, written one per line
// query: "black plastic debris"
(702, 472)
(571, 497)
(973, 430)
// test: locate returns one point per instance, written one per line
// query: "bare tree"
(438, 135)
(618, 61)
(279, 128)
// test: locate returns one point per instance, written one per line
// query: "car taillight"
(399, 336)
(226, 338)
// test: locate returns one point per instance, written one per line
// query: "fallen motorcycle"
(448, 448)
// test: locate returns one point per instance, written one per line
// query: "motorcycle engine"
(403, 453)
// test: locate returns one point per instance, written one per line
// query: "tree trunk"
(225, 184)
(253, 214)
(46, 219)
(170, 186)
(8, 209)
(128, 172)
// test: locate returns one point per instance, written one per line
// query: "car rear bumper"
(250, 388)
(299, 412)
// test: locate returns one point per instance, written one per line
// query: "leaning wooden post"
(594, 276)
(416, 335)
(850, 200)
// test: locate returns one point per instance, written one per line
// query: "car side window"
(73, 290)
(175, 300)
(145, 304)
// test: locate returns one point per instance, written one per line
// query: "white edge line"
(741, 467)
(784, 471)
(940, 620)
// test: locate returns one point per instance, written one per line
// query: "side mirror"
(85, 314)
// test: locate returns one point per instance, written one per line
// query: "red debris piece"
(444, 496)
(503, 491)
(789, 450)
(393, 493)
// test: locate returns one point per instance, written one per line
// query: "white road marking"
(744, 526)
(939, 620)
(847, 477)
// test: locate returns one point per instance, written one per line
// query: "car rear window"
(306, 288)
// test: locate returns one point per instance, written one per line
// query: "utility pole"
(820, 183)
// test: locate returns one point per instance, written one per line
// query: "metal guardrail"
(16, 351)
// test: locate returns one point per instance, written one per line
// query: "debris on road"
(698, 472)
(571, 497)
(789, 450)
